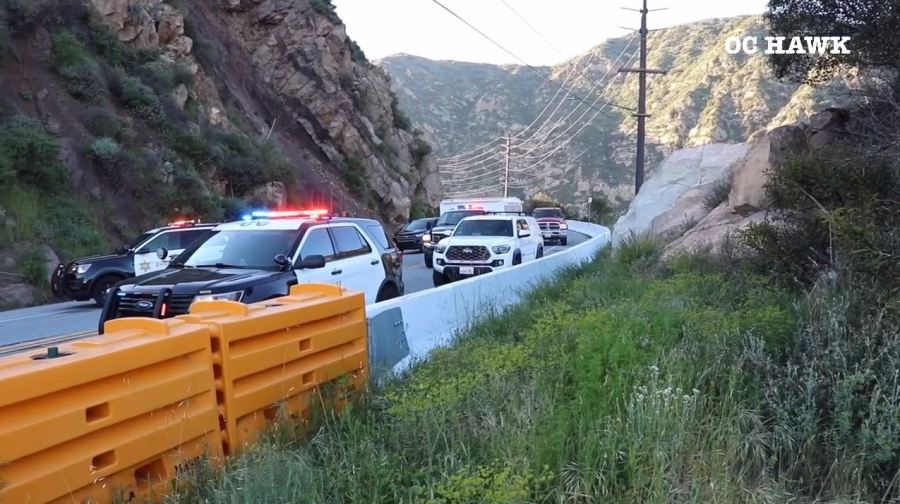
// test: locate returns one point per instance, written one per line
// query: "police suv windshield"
(453, 218)
(543, 213)
(239, 249)
(498, 227)
(140, 239)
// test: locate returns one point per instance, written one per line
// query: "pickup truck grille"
(463, 253)
(549, 226)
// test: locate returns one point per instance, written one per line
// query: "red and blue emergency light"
(286, 214)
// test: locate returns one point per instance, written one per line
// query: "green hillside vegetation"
(150, 161)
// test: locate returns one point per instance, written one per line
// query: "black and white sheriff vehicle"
(91, 277)
(260, 258)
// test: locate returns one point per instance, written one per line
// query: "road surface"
(58, 319)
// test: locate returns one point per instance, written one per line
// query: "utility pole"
(642, 114)
(506, 177)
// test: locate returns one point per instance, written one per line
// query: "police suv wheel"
(101, 289)
(438, 279)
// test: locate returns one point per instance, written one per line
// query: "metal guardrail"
(38, 344)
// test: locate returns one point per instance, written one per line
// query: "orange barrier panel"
(278, 354)
(109, 419)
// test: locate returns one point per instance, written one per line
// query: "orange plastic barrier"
(280, 354)
(109, 419)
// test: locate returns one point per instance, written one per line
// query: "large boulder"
(713, 232)
(681, 174)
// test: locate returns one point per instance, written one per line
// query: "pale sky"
(422, 28)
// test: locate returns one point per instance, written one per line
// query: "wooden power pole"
(642, 114)
(506, 177)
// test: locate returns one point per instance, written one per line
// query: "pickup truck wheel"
(540, 252)
(438, 278)
(517, 259)
(101, 285)
(564, 241)
(428, 260)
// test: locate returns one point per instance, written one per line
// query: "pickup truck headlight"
(225, 296)
(426, 238)
(81, 269)
(440, 249)
(563, 226)
(500, 249)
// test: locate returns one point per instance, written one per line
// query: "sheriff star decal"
(145, 266)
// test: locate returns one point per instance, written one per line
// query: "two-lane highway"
(58, 319)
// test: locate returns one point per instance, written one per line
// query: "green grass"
(608, 386)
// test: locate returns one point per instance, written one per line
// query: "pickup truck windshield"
(543, 213)
(453, 218)
(417, 225)
(480, 227)
(240, 249)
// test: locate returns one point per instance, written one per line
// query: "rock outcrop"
(675, 205)
(300, 52)
(675, 193)
(343, 103)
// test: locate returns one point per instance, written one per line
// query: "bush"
(105, 149)
(400, 119)
(139, 99)
(325, 8)
(31, 263)
(33, 154)
(833, 407)
(721, 189)
(104, 122)
(112, 51)
(354, 175)
(22, 15)
(245, 164)
(81, 75)
(837, 209)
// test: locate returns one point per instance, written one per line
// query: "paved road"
(73, 317)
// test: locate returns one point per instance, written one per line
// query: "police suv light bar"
(287, 214)
(180, 223)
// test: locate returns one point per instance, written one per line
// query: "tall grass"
(606, 387)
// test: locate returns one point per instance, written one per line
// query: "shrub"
(721, 189)
(139, 99)
(353, 173)
(21, 15)
(33, 154)
(244, 163)
(835, 209)
(105, 149)
(400, 119)
(833, 407)
(31, 263)
(356, 53)
(103, 122)
(81, 75)
(420, 151)
(325, 8)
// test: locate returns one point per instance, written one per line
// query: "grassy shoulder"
(618, 383)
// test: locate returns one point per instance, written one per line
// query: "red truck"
(553, 224)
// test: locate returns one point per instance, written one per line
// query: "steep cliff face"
(118, 115)
(707, 96)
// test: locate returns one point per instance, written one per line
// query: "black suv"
(91, 277)
(443, 228)
(259, 259)
(410, 237)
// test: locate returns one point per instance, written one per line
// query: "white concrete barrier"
(432, 317)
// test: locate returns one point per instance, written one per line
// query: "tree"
(872, 25)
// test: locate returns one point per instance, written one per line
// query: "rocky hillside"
(116, 115)
(707, 96)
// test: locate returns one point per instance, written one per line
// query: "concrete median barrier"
(431, 318)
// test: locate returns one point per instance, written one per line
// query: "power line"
(523, 62)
